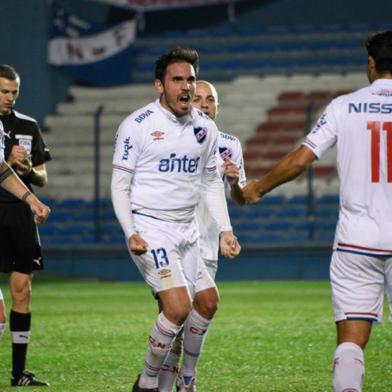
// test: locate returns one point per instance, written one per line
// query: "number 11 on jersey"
(375, 127)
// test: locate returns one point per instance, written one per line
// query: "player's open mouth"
(184, 99)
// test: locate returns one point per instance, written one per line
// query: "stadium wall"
(24, 34)
(287, 263)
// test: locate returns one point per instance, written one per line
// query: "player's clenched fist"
(229, 246)
(137, 245)
(39, 210)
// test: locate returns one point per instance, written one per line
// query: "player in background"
(20, 248)
(360, 124)
(10, 182)
(164, 157)
(230, 167)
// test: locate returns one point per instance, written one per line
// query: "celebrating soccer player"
(164, 158)
(360, 125)
(231, 169)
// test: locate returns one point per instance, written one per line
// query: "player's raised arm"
(290, 167)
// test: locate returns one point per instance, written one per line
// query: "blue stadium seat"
(297, 211)
(329, 199)
(273, 200)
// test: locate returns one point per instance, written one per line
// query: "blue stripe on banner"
(363, 253)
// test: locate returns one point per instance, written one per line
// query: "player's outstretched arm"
(286, 170)
(11, 183)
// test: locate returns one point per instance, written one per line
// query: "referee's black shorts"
(20, 248)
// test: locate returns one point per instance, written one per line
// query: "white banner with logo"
(152, 5)
(90, 49)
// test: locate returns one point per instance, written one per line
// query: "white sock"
(168, 374)
(349, 368)
(195, 332)
(160, 341)
(2, 330)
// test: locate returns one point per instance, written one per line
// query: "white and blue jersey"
(360, 124)
(229, 147)
(167, 156)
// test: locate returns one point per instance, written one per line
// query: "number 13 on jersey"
(376, 127)
(160, 257)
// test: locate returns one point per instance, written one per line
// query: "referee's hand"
(137, 245)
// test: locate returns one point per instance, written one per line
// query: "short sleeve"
(39, 152)
(324, 134)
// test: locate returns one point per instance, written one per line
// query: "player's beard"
(176, 106)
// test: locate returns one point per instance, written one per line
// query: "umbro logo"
(157, 135)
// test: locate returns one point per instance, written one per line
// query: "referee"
(20, 247)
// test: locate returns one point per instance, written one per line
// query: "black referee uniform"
(19, 240)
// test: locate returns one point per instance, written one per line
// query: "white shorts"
(212, 267)
(173, 256)
(1, 296)
(358, 286)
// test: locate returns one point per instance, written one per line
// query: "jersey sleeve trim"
(123, 168)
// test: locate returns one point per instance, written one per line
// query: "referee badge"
(25, 141)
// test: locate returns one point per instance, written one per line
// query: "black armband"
(8, 172)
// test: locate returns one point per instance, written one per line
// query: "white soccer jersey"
(228, 147)
(167, 157)
(360, 124)
(2, 143)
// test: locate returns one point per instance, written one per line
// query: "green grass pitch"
(91, 337)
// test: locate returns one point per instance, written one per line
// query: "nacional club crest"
(225, 153)
(200, 133)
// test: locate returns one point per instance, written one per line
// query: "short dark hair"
(379, 47)
(174, 56)
(8, 72)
